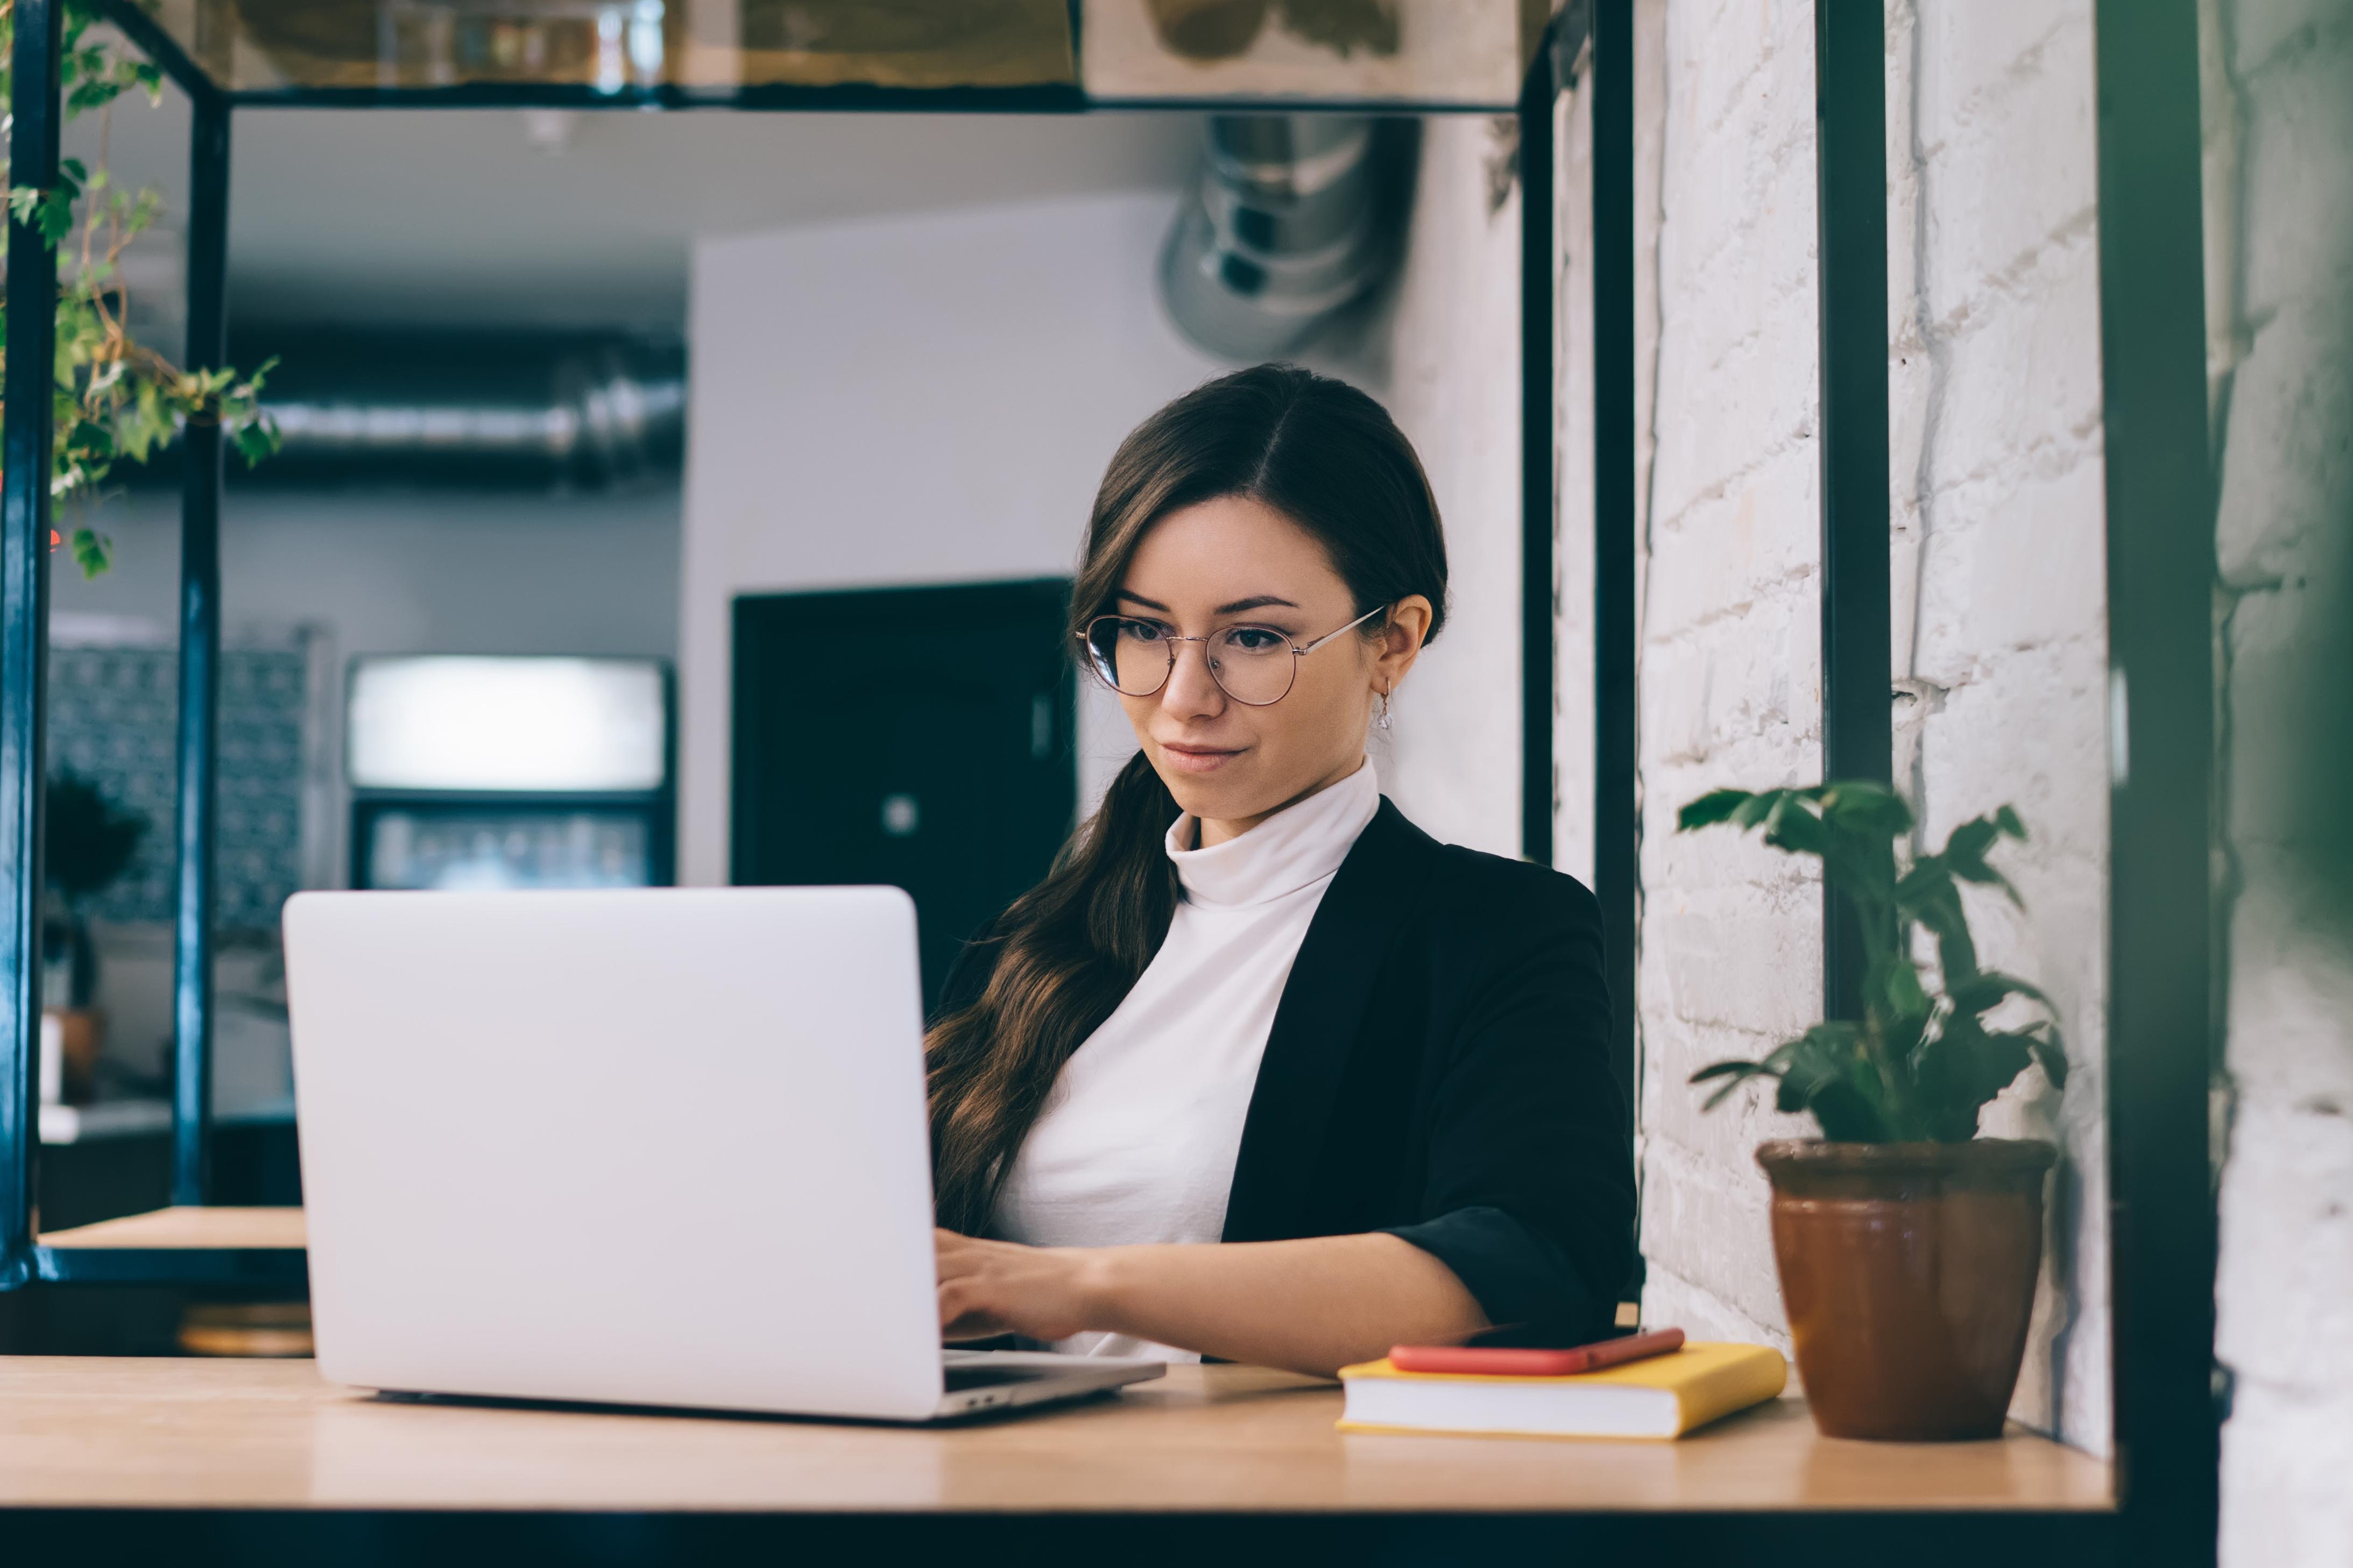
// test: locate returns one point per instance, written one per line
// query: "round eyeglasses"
(1255, 666)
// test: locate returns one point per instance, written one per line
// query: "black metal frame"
(2160, 583)
(1617, 816)
(200, 631)
(2160, 567)
(1539, 517)
(1851, 170)
(25, 437)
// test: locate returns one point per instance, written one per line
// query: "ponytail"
(1068, 950)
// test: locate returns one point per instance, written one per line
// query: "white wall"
(1452, 762)
(2279, 100)
(2000, 631)
(934, 398)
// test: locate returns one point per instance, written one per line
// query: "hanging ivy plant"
(115, 398)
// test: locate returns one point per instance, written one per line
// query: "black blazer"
(1439, 1070)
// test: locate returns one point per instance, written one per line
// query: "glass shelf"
(1409, 55)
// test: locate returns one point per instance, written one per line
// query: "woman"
(1253, 1004)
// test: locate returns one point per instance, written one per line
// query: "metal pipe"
(200, 631)
(1850, 174)
(1285, 230)
(541, 411)
(25, 434)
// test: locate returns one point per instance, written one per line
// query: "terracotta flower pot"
(1908, 1273)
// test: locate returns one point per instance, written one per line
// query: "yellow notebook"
(1664, 1397)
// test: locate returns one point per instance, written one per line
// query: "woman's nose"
(1192, 692)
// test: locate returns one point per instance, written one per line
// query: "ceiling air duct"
(1296, 217)
(539, 411)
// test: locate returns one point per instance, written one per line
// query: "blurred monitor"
(486, 848)
(547, 726)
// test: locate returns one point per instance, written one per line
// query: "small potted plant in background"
(1908, 1245)
(87, 842)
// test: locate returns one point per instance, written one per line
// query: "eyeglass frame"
(1298, 651)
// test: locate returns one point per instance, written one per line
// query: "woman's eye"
(1139, 632)
(1255, 639)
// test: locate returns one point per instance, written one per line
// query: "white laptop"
(654, 1147)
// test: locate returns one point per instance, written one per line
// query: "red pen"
(1497, 1360)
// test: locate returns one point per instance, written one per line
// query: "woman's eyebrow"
(1257, 601)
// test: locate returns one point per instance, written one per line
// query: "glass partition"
(1413, 54)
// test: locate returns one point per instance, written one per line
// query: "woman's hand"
(1002, 1287)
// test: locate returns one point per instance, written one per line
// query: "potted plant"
(87, 842)
(1908, 1245)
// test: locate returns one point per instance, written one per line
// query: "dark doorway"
(919, 737)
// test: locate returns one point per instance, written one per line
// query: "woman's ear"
(1407, 623)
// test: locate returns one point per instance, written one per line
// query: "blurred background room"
(654, 490)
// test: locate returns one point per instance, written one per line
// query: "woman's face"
(1237, 561)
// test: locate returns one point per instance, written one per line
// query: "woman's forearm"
(1312, 1306)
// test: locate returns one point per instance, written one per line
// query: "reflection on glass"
(622, 45)
(1434, 53)
(608, 45)
(1451, 52)
(446, 723)
(497, 851)
(906, 43)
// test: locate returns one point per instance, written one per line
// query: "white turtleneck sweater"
(1138, 1141)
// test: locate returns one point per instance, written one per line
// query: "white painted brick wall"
(1731, 947)
(1999, 609)
(2280, 107)
(1999, 574)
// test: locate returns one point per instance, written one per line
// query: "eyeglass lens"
(1254, 665)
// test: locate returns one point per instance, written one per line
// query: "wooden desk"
(263, 1230)
(88, 1433)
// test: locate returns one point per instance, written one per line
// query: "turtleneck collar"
(1300, 844)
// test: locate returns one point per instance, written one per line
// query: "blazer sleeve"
(1529, 1184)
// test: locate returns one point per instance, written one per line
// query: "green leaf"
(1897, 986)
(1794, 829)
(2048, 1053)
(1866, 809)
(1716, 806)
(255, 441)
(1735, 1074)
(93, 551)
(1829, 1074)
(1965, 851)
(1927, 894)
(1989, 988)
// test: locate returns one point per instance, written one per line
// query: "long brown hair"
(1332, 460)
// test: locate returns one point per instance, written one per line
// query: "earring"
(1384, 720)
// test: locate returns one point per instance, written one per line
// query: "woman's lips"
(1198, 759)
